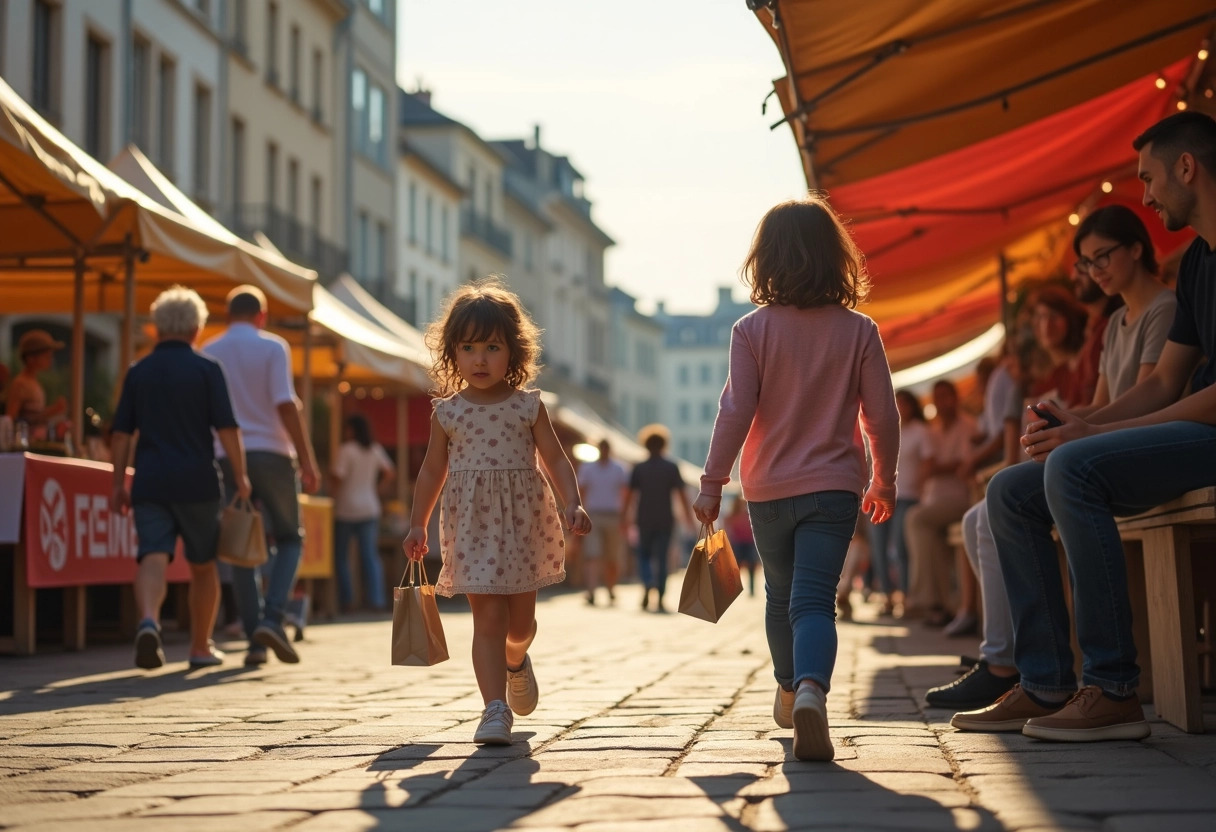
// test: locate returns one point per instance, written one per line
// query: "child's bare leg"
(522, 623)
(490, 620)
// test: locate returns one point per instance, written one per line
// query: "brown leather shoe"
(1009, 713)
(1089, 717)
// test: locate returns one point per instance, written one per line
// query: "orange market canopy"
(879, 85)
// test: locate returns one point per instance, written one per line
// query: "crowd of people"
(1104, 386)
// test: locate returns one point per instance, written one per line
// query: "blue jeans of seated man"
(654, 543)
(889, 548)
(364, 533)
(802, 542)
(276, 485)
(1082, 487)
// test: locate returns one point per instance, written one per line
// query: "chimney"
(724, 298)
(536, 137)
(422, 94)
(661, 309)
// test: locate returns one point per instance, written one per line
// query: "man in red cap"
(26, 398)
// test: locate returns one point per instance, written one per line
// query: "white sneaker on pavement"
(811, 738)
(522, 691)
(496, 723)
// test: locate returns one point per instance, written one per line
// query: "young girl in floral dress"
(500, 530)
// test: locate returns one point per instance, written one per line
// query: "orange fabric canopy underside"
(883, 84)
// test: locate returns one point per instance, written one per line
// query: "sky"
(656, 104)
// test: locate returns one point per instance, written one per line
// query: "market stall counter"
(57, 531)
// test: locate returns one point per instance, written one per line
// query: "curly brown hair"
(802, 256)
(479, 311)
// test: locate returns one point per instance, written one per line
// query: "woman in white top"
(888, 549)
(360, 471)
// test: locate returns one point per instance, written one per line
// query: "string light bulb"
(1107, 187)
(1203, 54)
(1074, 218)
(1160, 82)
(1181, 105)
(344, 387)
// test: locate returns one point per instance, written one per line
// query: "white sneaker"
(811, 738)
(495, 727)
(783, 705)
(522, 691)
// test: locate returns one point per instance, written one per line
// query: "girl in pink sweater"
(803, 368)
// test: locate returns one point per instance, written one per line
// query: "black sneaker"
(272, 636)
(149, 653)
(978, 688)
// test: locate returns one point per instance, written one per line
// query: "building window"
(375, 124)
(166, 89)
(430, 299)
(707, 412)
(272, 174)
(413, 213)
(315, 212)
(380, 253)
(430, 217)
(293, 189)
(318, 62)
(293, 64)
(684, 413)
(3, 32)
(706, 373)
(412, 288)
(141, 93)
(383, 9)
(358, 106)
(240, 25)
(45, 69)
(683, 375)
(238, 168)
(272, 43)
(527, 251)
(96, 96)
(359, 255)
(202, 140)
(444, 232)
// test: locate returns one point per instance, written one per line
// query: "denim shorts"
(159, 525)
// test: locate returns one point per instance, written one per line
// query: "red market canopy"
(879, 85)
(933, 231)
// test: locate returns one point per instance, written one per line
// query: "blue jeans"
(365, 534)
(1082, 487)
(888, 549)
(653, 546)
(802, 542)
(276, 485)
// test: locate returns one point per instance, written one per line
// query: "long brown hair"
(479, 311)
(803, 256)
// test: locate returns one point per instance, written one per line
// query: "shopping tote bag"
(712, 580)
(417, 632)
(242, 536)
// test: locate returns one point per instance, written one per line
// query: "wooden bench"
(1165, 536)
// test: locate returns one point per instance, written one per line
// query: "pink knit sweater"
(798, 379)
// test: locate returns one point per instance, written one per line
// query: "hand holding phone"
(1046, 415)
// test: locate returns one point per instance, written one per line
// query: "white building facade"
(428, 234)
(636, 343)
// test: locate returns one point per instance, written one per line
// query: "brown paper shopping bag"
(417, 632)
(712, 580)
(242, 536)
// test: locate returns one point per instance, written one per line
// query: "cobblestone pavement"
(646, 722)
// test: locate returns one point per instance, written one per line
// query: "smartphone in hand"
(1046, 415)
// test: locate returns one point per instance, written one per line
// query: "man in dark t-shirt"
(173, 398)
(1146, 448)
(651, 486)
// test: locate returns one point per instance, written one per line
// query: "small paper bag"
(712, 580)
(417, 632)
(242, 536)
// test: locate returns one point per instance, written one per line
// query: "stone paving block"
(662, 825)
(197, 788)
(578, 810)
(530, 796)
(770, 817)
(447, 819)
(94, 807)
(1173, 821)
(14, 793)
(186, 755)
(249, 822)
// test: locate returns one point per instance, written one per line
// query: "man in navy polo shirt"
(173, 398)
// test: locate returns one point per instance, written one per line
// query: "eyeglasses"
(1100, 260)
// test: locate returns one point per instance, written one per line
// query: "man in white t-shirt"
(279, 457)
(604, 485)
